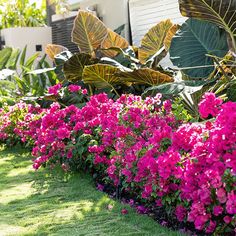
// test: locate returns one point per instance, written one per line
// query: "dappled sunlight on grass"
(6, 229)
(45, 203)
(20, 191)
(20, 171)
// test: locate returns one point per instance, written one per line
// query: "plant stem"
(222, 69)
(90, 90)
(115, 92)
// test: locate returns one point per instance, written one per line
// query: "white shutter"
(146, 13)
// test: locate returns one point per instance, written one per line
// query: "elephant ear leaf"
(74, 66)
(88, 32)
(145, 76)
(113, 40)
(220, 12)
(193, 43)
(53, 49)
(153, 40)
(101, 76)
(170, 34)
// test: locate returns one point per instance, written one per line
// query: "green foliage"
(231, 91)
(20, 77)
(107, 62)
(72, 71)
(200, 50)
(192, 45)
(180, 112)
(219, 12)
(21, 14)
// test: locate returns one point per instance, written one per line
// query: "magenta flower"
(210, 105)
(180, 212)
(54, 89)
(74, 88)
(217, 210)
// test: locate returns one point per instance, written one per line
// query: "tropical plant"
(203, 49)
(15, 13)
(219, 12)
(204, 36)
(107, 62)
(21, 77)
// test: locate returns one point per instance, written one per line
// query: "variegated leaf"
(145, 76)
(101, 76)
(88, 32)
(53, 49)
(153, 41)
(113, 40)
(170, 34)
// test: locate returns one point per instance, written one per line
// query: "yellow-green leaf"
(101, 76)
(145, 76)
(170, 34)
(153, 41)
(88, 32)
(53, 49)
(113, 40)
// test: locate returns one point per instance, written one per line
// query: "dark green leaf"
(192, 43)
(74, 66)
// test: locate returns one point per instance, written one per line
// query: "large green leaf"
(101, 76)
(4, 56)
(153, 40)
(74, 66)
(166, 89)
(220, 12)
(145, 76)
(88, 32)
(193, 43)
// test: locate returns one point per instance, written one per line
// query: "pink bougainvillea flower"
(54, 89)
(210, 105)
(74, 88)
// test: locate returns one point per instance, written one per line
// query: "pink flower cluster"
(188, 169)
(18, 123)
(210, 105)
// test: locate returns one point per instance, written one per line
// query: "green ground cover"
(45, 203)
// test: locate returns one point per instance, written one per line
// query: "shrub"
(139, 145)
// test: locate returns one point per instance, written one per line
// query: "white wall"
(30, 36)
(146, 13)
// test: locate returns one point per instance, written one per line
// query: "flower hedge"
(187, 168)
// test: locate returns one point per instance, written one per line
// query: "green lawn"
(40, 203)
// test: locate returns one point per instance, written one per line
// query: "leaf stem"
(222, 69)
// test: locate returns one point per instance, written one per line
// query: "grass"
(45, 203)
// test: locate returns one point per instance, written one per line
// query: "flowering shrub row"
(189, 169)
